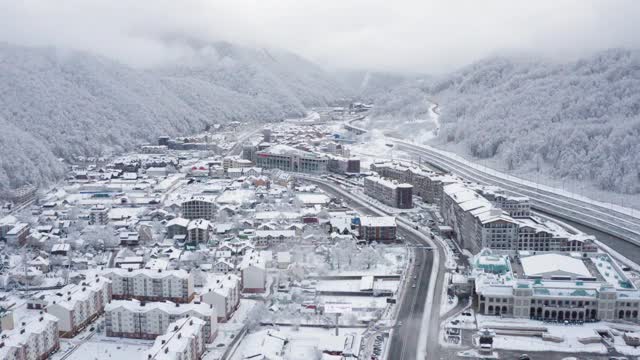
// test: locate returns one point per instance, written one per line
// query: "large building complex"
(389, 192)
(426, 184)
(480, 223)
(198, 207)
(553, 286)
(151, 285)
(476, 223)
(288, 158)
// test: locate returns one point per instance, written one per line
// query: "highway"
(418, 330)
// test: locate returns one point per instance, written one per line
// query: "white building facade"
(141, 320)
(151, 285)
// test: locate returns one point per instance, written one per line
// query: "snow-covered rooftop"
(554, 265)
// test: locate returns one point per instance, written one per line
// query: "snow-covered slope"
(579, 120)
(56, 103)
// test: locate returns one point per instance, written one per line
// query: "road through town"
(419, 311)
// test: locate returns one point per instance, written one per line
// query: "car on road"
(414, 285)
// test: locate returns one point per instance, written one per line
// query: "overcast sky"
(424, 36)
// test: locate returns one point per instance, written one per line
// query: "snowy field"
(354, 285)
(302, 343)
(103, 349)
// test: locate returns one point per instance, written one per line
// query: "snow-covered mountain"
(57, 103)
(577, 121)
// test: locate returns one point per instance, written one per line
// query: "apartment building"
(151, 285)
(198, 207)
(154, 149)
(183, 340)
(198, 231)
(287, 158)
(223, 292)
(147, 320)
(343, 165)
(389, 192)
(235, 162)
(253, 272)
(476, 223)
(554, 286)
(516, 206)
(99, 215)
(536, 235)
(249, 153)
(393, 170)
(433, 184)
(6, 224)
(76, 306)
(377, 228)
(34, 337)
(266, 238)
(18, 234)
(426, 184)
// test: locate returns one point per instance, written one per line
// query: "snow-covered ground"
(570, 335)
(102, 348)
(303, 343)
(447, 302)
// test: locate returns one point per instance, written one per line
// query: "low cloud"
(423, 36)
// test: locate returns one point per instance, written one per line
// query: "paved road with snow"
(419, 311)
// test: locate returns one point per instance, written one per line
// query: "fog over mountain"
(578, 120)
(59, 103)
(88, 77)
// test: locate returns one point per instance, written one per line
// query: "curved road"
(418, 316)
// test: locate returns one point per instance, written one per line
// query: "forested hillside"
(579, 120)
(57, 104)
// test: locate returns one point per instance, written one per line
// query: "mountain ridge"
(67, 103)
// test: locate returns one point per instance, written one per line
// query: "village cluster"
(217, 246)
(179, 243)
